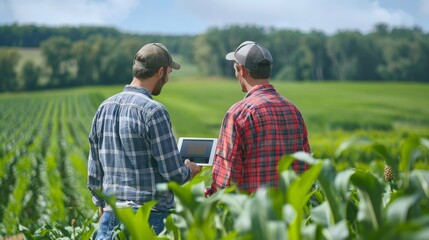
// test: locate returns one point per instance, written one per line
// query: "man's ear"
(242, 70)
(160, 72)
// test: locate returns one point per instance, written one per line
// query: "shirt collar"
(142, 90)
(258, 88)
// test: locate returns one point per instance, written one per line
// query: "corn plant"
(350, 204)
(321, 203)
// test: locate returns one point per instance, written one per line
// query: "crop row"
(43, 151)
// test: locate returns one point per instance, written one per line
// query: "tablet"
(198, 150)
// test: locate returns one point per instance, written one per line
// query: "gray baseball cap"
(155, 55)
(250, 55)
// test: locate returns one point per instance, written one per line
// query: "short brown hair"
(264, 73)
(143, 73)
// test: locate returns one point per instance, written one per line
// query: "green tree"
(8, 63)
(313, 62)
(101, 47)
(381, 30)
(57, 53)
(207, 52)
(284, 46)
(405, 55)
(341, 49)
(116, 67)
(33, 35)
(185, 48)
(89, 55)
(309, 61)
(212, 46)
(30, 74)
(404, 60)
(353, 56)
(82, 53)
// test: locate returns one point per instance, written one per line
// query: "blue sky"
(196, 16)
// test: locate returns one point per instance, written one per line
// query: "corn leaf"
(370, 191)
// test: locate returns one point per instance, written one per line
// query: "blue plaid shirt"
(133, 148)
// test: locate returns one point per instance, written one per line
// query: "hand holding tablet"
(195, 169)
(198, 150)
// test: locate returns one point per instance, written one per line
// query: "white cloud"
(195, 16)
(325, 15)
(70, 12)
(4, 11)
(424, 7)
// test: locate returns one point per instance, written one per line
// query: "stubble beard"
(158, 87)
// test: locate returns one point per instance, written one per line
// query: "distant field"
(333, 111)
(32, 54)
(325, 106)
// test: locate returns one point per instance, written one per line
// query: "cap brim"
(175, 65)
(231, 56)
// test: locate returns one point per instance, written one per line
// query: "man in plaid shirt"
(133, 147)
(258, 130)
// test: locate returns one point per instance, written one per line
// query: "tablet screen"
(198, 150)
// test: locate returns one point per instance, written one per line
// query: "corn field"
(43, 158)
(43, 169)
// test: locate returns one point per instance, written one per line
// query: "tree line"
(75, 56)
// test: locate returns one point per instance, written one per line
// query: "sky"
(179, 17)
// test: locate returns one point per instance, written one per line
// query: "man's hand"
(100, 212)
(211, 190)
(195, 169)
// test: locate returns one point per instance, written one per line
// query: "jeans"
(109, 221)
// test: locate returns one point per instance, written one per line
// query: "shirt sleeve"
(306, 144)
(95, 171)
(299, 166)
(164, 148)
(228, 162)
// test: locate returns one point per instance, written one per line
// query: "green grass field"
(334, 112)
(325, 106)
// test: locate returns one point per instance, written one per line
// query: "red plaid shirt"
(256, 132)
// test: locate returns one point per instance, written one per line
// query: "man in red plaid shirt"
(258, 130)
